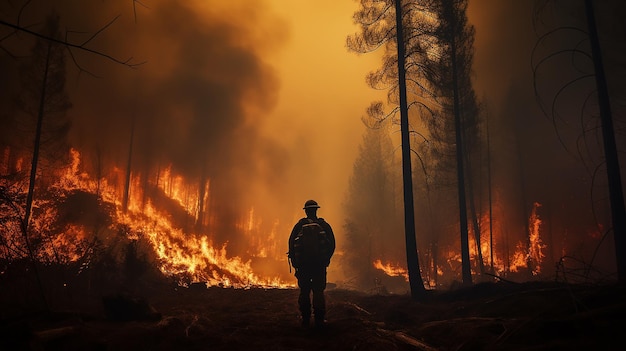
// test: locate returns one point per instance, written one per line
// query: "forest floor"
(486, 316)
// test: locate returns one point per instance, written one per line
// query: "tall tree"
(596, 68)
(45, 103)
(450, 76)
(618, 212)
(415, 276)
(392, 24)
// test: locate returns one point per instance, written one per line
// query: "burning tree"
(45, 101)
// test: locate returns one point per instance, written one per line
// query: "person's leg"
(318, 284)
(304, 299)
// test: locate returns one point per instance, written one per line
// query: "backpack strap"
(307, 220)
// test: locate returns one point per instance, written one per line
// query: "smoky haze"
(549, 159)
(549, 156)
(230, 94)
(196, 105)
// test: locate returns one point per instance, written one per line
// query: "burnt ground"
(487, 316)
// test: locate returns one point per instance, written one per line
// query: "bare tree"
(16, 26)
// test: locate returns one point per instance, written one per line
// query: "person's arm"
(331, 237)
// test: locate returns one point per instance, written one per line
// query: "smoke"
(196, 105)
(260, 100)
(220, 99)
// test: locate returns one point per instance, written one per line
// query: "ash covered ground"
(486, 316)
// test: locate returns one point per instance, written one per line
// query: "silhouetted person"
(311, 245)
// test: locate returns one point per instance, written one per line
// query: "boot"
(320, 322)
(306, 321)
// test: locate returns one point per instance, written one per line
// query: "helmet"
(310, 204)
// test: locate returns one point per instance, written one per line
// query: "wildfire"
(390, 270)
(526, 255)
(192, 256)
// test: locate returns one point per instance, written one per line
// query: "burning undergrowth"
(80, 228)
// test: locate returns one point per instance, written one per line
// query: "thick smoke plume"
(193, 106)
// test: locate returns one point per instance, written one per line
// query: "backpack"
(311, 246)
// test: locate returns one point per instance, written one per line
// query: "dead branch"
(127, 62)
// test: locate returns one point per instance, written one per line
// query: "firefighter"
(311, 246)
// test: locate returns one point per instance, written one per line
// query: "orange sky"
(322, 98)
(312, 112)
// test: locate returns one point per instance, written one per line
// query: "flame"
(535, 250)
(391, 270)
(193, 257)
(175, 187)
(530, 255)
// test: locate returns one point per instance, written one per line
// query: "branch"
(128, 62)
(135, 8)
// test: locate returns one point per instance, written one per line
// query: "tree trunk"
(618, 212)
(415, 278)
(525, 214)
(477, 232)
(126, 198)
(465, 257)
(33, 176)
(490, 200)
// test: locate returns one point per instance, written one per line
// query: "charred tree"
(459, 108)
(203, 192)
(381, 25)
(590, 72)
(465, 258)
(525, 221)
(127, 180)
(490, 198)
(44, 99)
(415, 277)
(616, 195)
(475, 214)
